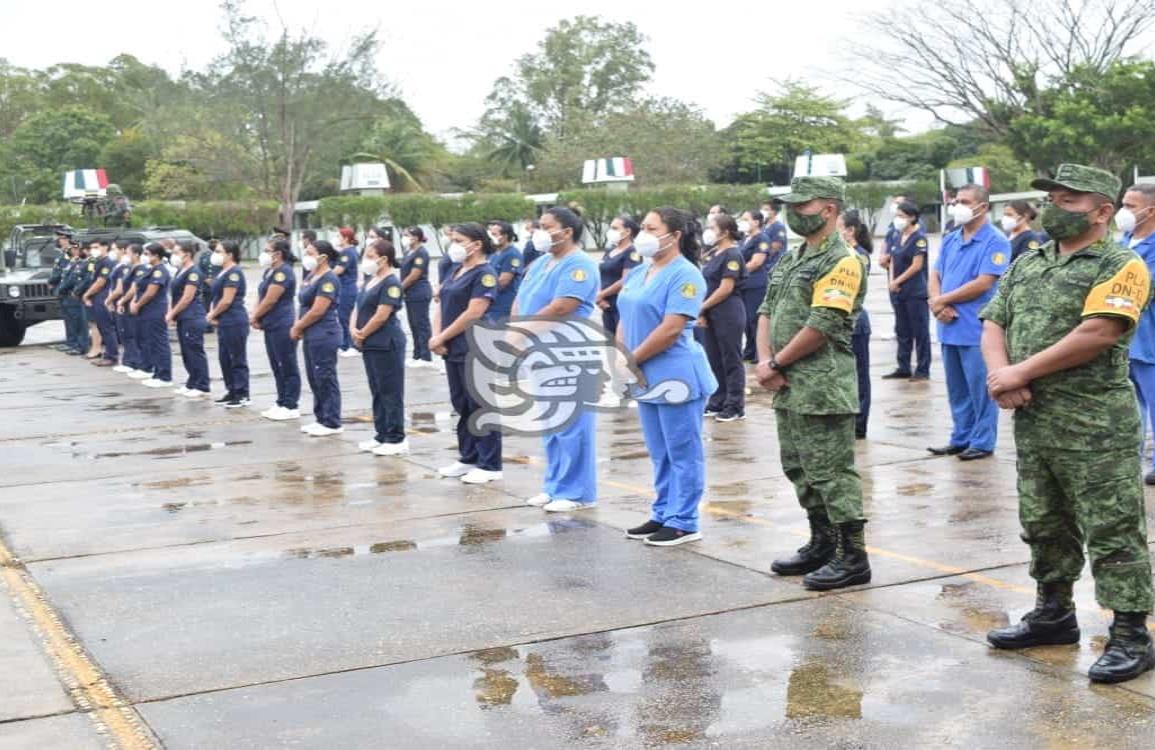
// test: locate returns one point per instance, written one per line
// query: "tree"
(411, 155)
(49, 143)
(1007, 172)
(986, 61)
(515, 139)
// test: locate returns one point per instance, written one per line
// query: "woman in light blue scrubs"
(659, 304)
(563, 284)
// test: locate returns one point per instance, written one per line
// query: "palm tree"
(408, 153)
(517, 139)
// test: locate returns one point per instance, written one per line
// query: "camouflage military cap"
(803, 189)
(1081, 179)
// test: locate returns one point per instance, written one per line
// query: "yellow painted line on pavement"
(89, 689)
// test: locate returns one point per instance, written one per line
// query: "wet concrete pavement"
(240, 585)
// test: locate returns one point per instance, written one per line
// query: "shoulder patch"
(328, 287)
(1123, 295)
(157, 274)
(689, 290)
(578, 274)
(839, 288)
(394, 292)
(419, 261)
(91, 267)
(763, 245)
(279, 276)
(1033, 245)
(920, 243)
(635, 257)
(733, 265)
(998, 259)
(234, 277)
(193, 277)
(488, 281)
(104, 272)
(515, 262)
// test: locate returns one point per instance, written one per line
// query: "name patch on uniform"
(1123, 295)
(732, 265)
(488, 281)
(689, 290)
(234, 277)
(394, 292)
(578, 274)
(328, 287)
(418, 261)
(839, 288)
(1033, 245)
(998, 259)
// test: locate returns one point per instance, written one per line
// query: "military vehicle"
(26, 264)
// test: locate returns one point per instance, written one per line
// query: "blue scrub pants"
(722, 340)
(385, 370)
(912, 329)
(1143, 376)
(974, 413)
(345, 304)
(232, 350)
(860, 343)
(571, 461)
(484, 452)
(191, 335)
(673, 434)
(132, 355)
(282, 352)
(107, 327)
(154, 345)
(420, 327)
(752, 299)
(321, 371)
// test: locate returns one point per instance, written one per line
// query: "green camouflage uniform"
(820, 288)
(1078, 441)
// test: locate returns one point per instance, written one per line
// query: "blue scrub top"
(960, 262)
(328, 286)
(417, 259)
(614, 267)
(348, 261)
(282, 314)
(1143, 345)
(183, 279)
(119, 272)
(677, 289)
(902, 255)
(137, 278)
(1028, 240)
(235, 314)
(751, 246)
(372, 296)
(574, 275)
(157, 307)
(457, 290)
(506, 261)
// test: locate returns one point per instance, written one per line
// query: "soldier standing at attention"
(1055, 341)
(805, 355)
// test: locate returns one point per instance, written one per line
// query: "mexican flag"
(612, 169)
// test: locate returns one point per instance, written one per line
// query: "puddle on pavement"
(428, 423)
(815, 690)
(153, 407)
(172, 452)
(977, 608)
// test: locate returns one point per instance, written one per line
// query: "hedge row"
(229, 219)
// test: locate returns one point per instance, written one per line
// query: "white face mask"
(1008, 223)
(96, 253)
(744, 226)
(901, 223)
(457, 253)
(613, 236)
(114, 256)
(542, 240)
(217, 259)
(648, 245)
(710, 237)
(496, 239)
(962, 214)
(176, 259)
(765, 215)
(264, 260)
(368, 267)
(309, 262)
(1127, 219)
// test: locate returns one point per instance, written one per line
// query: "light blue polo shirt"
(1143, 345)
(960, 262)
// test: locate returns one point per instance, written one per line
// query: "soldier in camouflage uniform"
(1055, 341)
(805, 355)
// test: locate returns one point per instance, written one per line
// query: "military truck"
(26, 264)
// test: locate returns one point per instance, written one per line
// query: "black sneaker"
(668, 536)
(225, 399)
(896, 375)
(729, 416)
(236, 403)
(643, 531)
(711, 412)
(916, 378)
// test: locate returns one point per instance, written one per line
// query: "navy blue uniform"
(190, 328)
(506, 261)
(100, 314)
(119, 276)
(417, 299)
(458, 287)
(233, 332)
(529, 253)
(753, 288)
(75, 324)
(613, 269)
(722, 336)
(134, 278)
(348, 261)
(151, 328)
(860, 343)
(1028, 240)
(911, 312)
(322, 339)
(383, 352)
(279, 346)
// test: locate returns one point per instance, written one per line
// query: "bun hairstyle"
(569, 219)
(727, 227)
(157, 250)
(908, 208)
(348, 235)
(324, 247)
(677, 220)
(285, 249)
(506, 229)
(232, 249)
(474, 232)
(416, 231)
(1024, 209)
(852, 220)
(631, 224)
(755, 215)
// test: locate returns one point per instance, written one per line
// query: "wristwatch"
(774, 365)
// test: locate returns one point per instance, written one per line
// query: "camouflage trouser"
(817, 453)
(1068, 497)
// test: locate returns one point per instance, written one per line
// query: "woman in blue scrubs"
(857, 235)
(318, 326)
(232, 322)
(909, 271)
(275, 314)
(563, 284)
(467, 290)
(722, 321)
(659, 304)
(377, 333)
(188, 313)
(149, 307)
(506, 260)
(620, 257)
(418, 294)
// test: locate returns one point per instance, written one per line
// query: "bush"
(226, 219)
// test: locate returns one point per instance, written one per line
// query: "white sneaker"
(193, 394)
(154, 383)
(323, 431)
(271, 412)
(539, 501)
(414, 364)
(367, 446)
(310, 427)
(567, 506)
(182, 391)
(284, 415)
(140, 375)
(456, 469)
(349, 353)
(122, 369)
(392, 449)
(481, 476)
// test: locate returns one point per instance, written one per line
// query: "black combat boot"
(1051, 623)
(812, 555)
(1129, 652)
(848, 567)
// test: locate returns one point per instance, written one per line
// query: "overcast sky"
(444, 56)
